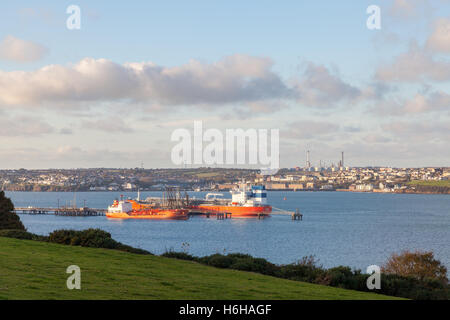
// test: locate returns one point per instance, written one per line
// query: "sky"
(111, 93)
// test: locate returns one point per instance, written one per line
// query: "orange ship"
(124, 210)
(235, 210)
(244, 203)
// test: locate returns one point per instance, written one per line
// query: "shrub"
(418, 264)
(342, 277)
(8, 218)
(62, 236)
(22, 234)
(218, 261)
(38, 237)
(95, 238)
(179, 255)
(412, 288)
(306, 269)
(258, 265)
(16, 233)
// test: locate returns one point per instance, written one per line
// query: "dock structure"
(297, 215)
(223, 215)
(208, 214)
(64, 211)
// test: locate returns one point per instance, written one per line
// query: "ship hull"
(177, 214)
(236, 211)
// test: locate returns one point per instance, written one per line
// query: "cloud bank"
(236, 79)
(18, 50)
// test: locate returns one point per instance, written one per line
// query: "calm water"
(340, 228)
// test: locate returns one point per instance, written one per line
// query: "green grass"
(207, 174)
(432, 183)
(37, 270)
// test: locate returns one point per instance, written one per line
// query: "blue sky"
(317, 73)
(171, 32)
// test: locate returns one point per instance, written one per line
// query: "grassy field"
(37, 270)
(431, 183)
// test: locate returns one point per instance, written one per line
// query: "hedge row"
(94, 238)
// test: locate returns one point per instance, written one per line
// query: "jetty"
(295, 215)
(62, 211)
(208, 214)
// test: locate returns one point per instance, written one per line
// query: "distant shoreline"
(404, 191)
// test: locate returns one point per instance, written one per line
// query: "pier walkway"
(63, 211)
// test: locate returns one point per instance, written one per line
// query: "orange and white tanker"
(245, 202)
(123, 209)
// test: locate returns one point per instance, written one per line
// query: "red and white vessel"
(245, 202)
(123, 209)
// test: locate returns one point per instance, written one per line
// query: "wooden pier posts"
(297, 215)
(223, 215)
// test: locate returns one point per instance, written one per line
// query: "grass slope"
(431, 183)
(36, 270)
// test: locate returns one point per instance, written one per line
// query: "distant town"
(368, 179)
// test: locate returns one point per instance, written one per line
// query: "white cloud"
(23, 126)
(110, 124)
(439, 40)
(415, 65)
(436, 101)
(236, 78)
(308, 129)
(406, 9)
(412, 11)
(419, 131)
(19, 50)
(245, 81)
(376, 138)
(319, 87)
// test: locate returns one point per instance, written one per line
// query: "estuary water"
(339, 228)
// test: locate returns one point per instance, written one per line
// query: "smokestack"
(342, 161)
(308, 164)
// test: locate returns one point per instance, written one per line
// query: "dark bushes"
(254, 265)
(21, 234)
(95, 238)
(236, 261)
(409, 287)
(8, 218)
(217, 260)
(16, 233)
(179, 255)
